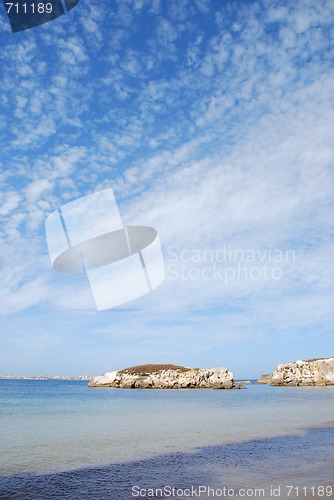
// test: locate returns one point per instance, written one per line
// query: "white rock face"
(105, 379)
(171, 378)
(302, 373)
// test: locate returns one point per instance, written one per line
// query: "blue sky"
(213, 122)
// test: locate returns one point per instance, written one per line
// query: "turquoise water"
(62, 425)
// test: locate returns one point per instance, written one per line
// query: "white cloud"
(217, 133)
(36, 188)
(9, 201)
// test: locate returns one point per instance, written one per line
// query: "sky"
(212, 121)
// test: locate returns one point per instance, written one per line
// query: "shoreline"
(254, 463)
(68, 442)
(144, 423)
(295, 434)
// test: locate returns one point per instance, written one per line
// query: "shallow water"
(259, 467)
(61, 425)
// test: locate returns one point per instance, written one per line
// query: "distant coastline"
(311, 372)
(43, 377)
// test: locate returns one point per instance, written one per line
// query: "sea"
(60, 439)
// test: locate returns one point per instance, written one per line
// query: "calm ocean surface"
(58, 434)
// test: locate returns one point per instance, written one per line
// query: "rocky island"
(317, 371)
(153, 376)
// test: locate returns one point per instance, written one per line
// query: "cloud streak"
(212, 122)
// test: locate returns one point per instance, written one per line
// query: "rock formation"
(165, 377)
(302, 373)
